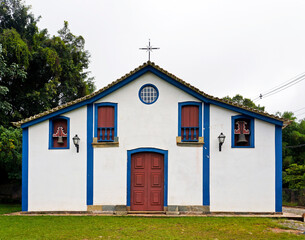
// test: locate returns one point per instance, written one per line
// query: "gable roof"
(163, 74)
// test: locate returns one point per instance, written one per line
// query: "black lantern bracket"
(76, 140)
(221, 139)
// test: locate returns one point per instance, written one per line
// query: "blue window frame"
(51, 132)
(246, 141)
(112, 132)
(194, 131)
(148, 93)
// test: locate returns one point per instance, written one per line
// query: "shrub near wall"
(10, 163)
(293, 197)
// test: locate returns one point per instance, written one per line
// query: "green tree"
(37, 72)
(15, 15)
(10, 139)
(293, 152)
(55, 66)
(12, 72)
(10, 154)
(294, 176)
(239, 99)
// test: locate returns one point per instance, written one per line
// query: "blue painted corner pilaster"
(25, 169)
(278, 169)
(89, 154)
(206, 155)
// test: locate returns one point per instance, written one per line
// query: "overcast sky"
(222, 47)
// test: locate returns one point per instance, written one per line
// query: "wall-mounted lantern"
(221, 139)
(76, 142)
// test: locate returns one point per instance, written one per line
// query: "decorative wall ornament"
(241, 130)
(60, 134)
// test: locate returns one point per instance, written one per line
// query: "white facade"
(154, 126)
(240, 179)
(57, 178)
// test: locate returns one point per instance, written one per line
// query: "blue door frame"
(155, 150)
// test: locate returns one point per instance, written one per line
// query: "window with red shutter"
(105, 123)
(190, 121)
(106, 129)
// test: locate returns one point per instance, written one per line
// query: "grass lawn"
(8, 208)
(100, 227)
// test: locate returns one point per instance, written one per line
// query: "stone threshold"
(146, 212)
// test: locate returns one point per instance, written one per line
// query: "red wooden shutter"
(57, 123)
(106, 120)
(190, 122)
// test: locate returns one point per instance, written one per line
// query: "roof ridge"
(148, 63)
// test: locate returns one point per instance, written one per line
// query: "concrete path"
(293, 210)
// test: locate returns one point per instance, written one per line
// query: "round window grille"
(148, 94)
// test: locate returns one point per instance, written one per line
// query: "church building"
(151, 142)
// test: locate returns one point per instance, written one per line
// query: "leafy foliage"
(37, 72)
(10, 153)
(293, 153)
(12, 72)
(55, 66)
(15, 15)
(294, 176)
(239, 99)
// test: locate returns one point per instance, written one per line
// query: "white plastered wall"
(241, 179)
(148, 126)
(57, 177)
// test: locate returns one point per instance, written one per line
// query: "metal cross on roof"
(149, 49)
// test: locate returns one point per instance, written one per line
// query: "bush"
(10, 154)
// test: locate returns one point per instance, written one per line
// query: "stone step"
(145, 212)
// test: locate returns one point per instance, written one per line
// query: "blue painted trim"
(96, 106)
(25, 168)
(51, 132)
(206, 155)
(163, 76)
(278, 169)
(189, 103)
(156, 150)
(148, 85)
(252, 131)
(89, 154)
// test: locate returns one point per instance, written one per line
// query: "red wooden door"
(147, 182)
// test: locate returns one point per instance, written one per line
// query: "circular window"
(148, 94)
